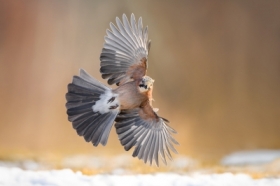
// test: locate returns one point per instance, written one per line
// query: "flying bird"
(93, 107)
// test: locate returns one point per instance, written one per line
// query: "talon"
(111, 99)
(114, 106)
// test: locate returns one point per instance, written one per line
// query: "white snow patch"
(16, 176)
(102, 106)
(251, 157)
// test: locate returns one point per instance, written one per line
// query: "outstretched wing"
(149, 133)
(125, 52)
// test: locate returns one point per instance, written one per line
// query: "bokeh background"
(216, 66)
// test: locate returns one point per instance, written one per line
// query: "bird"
(93, 108)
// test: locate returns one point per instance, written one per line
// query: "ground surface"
(256, 168)
(16, 176)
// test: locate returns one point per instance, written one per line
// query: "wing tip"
(82, 71)
(132, 16)
(124, 16)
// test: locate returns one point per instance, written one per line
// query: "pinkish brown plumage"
(129, 95)
(93, 107)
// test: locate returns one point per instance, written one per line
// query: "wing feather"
(121, 36)
(132, 142)
(136, 134)
(151, 147)
(147, 132)
(125, 33)
(140, 26)
(125, 51)
(122, 42)
(112, 44)
(145, 36)
(128, 30)
(161, 150)
(149, 141)
(156, 149)
(133, 25)
(143, 145)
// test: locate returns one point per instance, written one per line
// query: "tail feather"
(78, 116)
(84, 124)
(107, 129)
(103, 129)
(82, 95)
(81, 91)
(84, 75)
(70, 105)
(79, 110)
(87, 85)
(74, 98)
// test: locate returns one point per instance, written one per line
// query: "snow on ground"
(15, 177)
(251, 157)
(183, 171)
(125, 162)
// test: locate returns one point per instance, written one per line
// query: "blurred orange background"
(216, 66)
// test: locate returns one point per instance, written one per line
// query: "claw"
(111, 99)
(114, 106)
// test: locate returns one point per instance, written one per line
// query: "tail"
(91, 107)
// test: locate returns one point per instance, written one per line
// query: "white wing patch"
(108, 102)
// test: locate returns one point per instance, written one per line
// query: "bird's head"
(146, 84)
